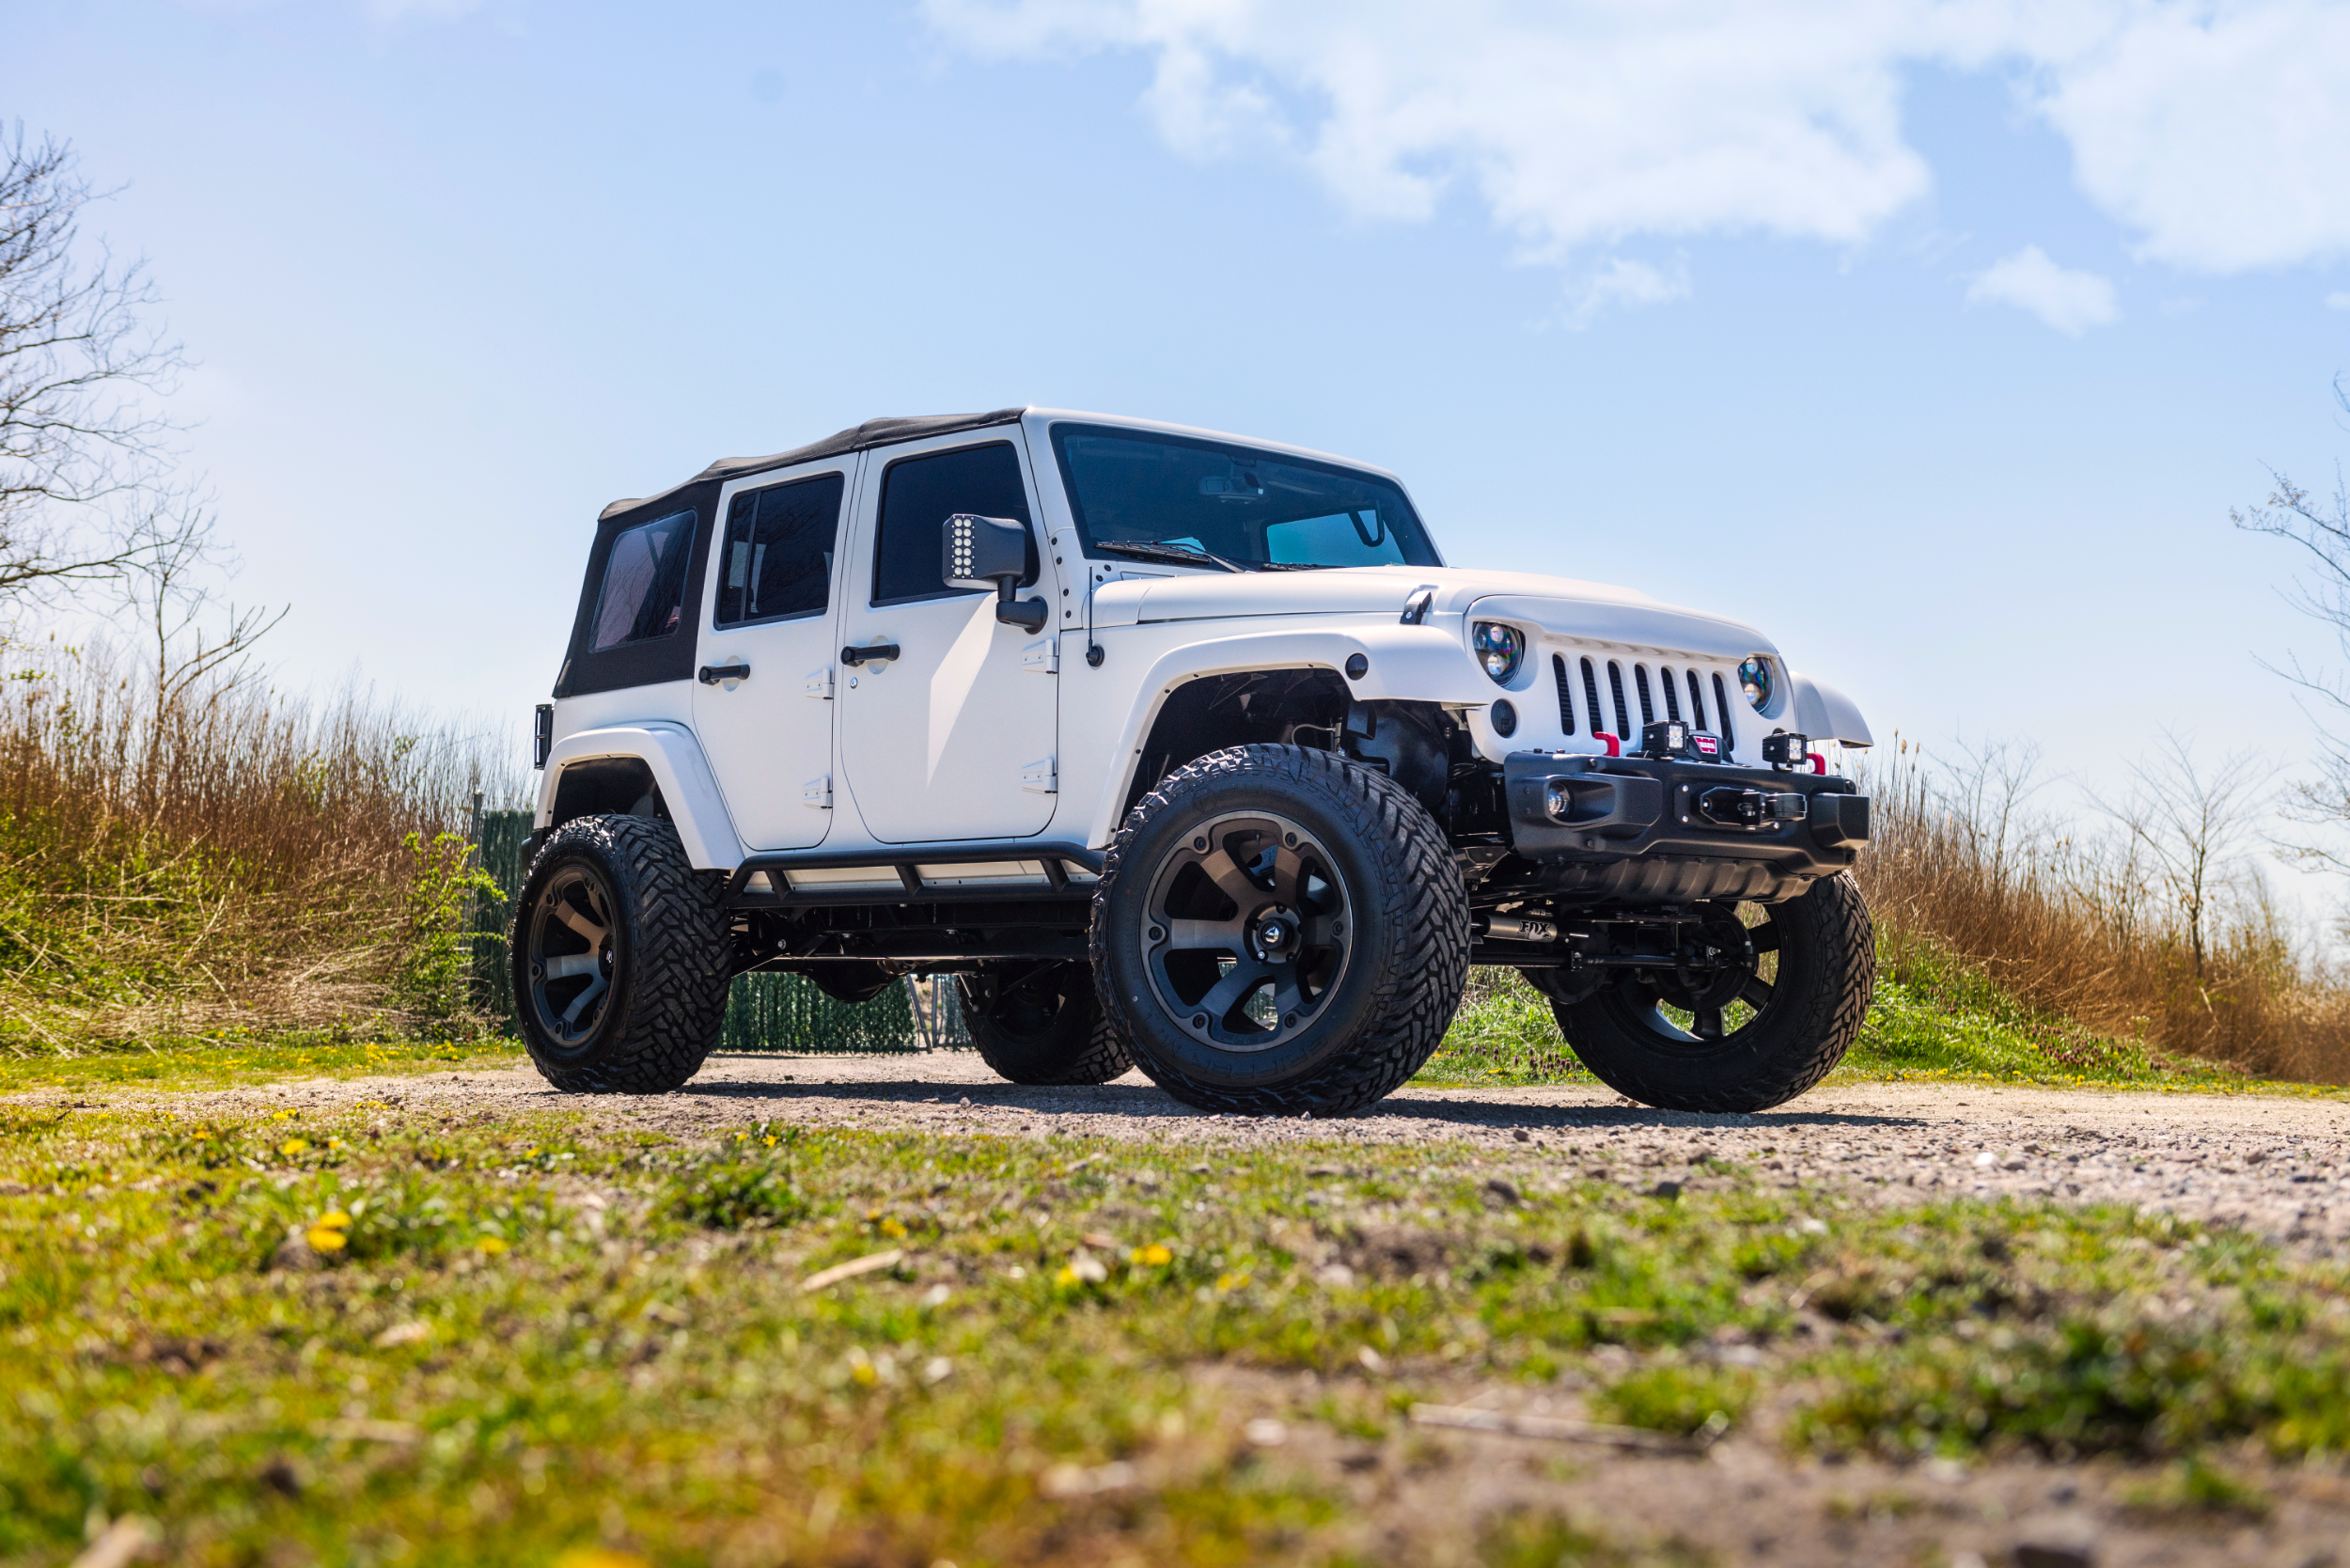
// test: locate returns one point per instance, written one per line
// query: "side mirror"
(990, 552)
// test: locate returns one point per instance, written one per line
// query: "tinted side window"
(644, 583)
(778, 550)
(919, 493)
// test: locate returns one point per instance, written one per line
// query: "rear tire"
(620, 958)
(1788, 1028)
(1041, 1025)
(1279, 931)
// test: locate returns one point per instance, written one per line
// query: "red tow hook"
(1615, 746)
(1818, 763)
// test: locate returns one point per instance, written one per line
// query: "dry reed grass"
(233, 859)
(2136, 927)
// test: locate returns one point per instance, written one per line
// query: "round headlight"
(1500, 649)
(1754, 679)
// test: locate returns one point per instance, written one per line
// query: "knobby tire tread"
(680, 961)
(1422, 974)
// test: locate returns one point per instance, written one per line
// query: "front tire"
(1279, 931)
(1753, 1033)
(620, 959)
(1044, 1025)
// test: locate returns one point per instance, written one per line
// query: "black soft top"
(857, 438)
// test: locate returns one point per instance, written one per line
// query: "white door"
(768, 732)
(953, 738)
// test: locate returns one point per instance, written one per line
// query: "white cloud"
(1623, 284)
(2219, 132)
(2071, 302)
(2216, 131)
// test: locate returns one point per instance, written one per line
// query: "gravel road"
(2271, 1163)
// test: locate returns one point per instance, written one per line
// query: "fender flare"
(1407, 664)
(1825, 714)
(687, 787)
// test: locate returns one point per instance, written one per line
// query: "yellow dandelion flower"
(490, 1245)
(893, 1227)
(1153, 1256)
(865, 1374)
(600, 1557)
(323, 1239)
(293, 1145)
(334, 1219)
(1231, 1281)
(1067, 1276)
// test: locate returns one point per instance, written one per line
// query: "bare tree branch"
(2321, 531)
(79, 365)
(173, 552)
(2186, 821)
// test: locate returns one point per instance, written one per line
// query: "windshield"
(1202, 500)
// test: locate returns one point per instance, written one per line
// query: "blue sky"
(1936, 339)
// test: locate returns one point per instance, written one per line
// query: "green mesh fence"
(764, 1012)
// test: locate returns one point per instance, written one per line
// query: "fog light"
(1664, 738)
(1784, 749)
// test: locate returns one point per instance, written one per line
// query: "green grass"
(372, 1336)
(241, 1056)
(1932, 1018)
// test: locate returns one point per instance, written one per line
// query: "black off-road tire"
(1042, 1026)
(1387, 985)
(1818, 999)
(661, 950)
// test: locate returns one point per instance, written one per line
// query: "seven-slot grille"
(1649, 684)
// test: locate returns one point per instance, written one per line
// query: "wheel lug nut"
(1199, 1020)
(1157, 935)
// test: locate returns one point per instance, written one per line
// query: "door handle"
(713, 674)
(879, 653)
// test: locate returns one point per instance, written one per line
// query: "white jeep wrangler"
(1181, 752)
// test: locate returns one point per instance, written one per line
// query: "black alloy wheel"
(1247, 932)
(1726, 980)
(570, 953)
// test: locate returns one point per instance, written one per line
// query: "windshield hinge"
(1416, 608)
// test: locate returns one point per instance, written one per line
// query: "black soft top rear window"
(642, 596)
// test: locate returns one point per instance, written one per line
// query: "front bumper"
(1638, 830)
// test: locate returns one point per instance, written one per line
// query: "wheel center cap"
(1274, 934)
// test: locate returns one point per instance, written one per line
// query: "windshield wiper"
(1166, 550)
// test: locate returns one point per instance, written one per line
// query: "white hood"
(1565, 606)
